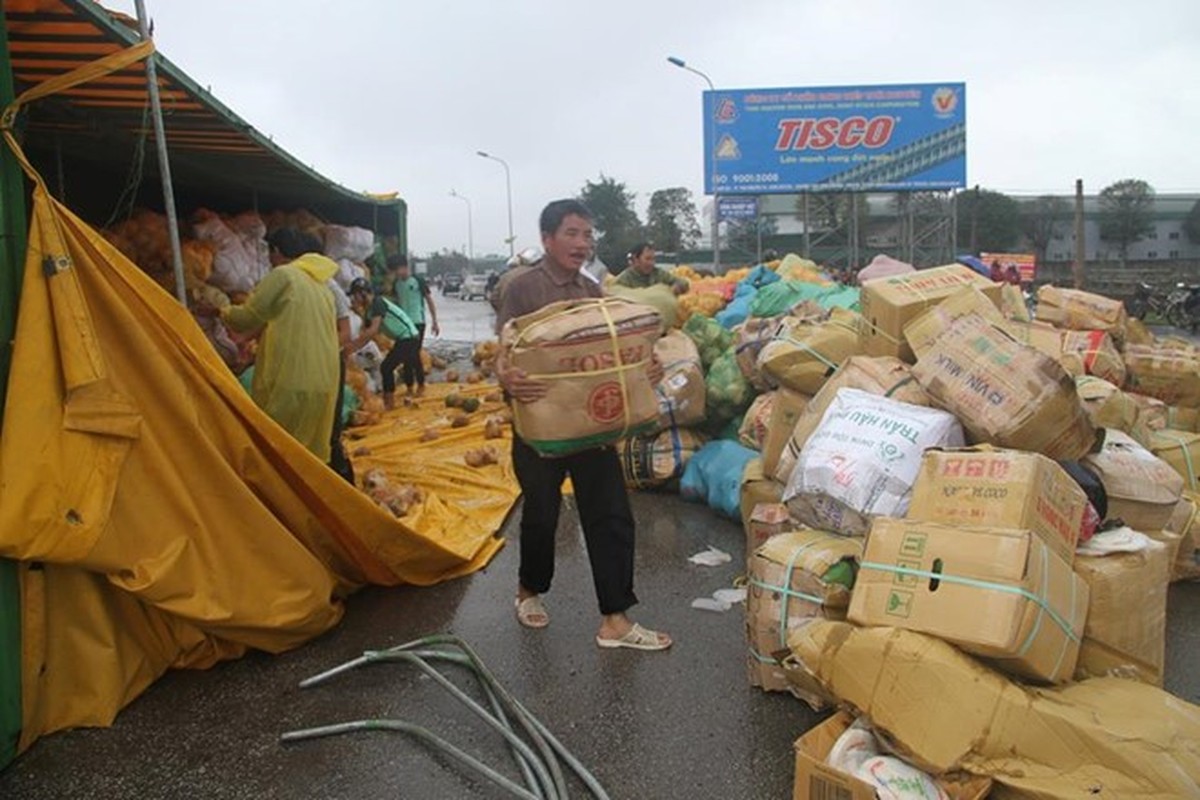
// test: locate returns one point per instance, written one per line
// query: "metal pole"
(470, 231)
(807, 238)
(508, 192)
(164, 165)
(758, 227)
(1080, 254)
(710, 116)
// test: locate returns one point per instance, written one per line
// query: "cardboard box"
(1126, 630)
(785, 411)
(1142, 489)
(1012, 303)
(1081, 311)
(1109, 407)
(681, 392)
(1180, 449)
(794, 577)
(924, 331)
(752, 337)
(1092, 353)
(944, 711)
(803, 356)
(1041, 336)
(767, 520)
(753, 430)
(658, 459)
(816, 780)
(1155, 414)
(888, 304)
(1166, 373)
(1001, 489)
(593, 354)
(1005, 393)
(886, 377)
(998, 593)
(757, 489)
(1182, 534)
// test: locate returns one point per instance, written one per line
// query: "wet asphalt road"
(679, 724)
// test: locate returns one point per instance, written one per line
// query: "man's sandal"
(637, 638)
(531, 613)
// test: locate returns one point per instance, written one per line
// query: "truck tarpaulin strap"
(173, 522)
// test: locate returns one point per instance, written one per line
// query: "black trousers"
(403, 352)
(604, 515)
(414, 370)
(338, 461)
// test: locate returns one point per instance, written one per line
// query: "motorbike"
(1183, 307)
(1148, 300)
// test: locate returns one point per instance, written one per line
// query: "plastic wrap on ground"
(133, 460)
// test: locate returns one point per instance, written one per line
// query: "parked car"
(474, 286)
(452, 284)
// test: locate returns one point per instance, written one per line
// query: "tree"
(1126, 214)
(987, 220)
(447, 262)
(742, 234)
(1042, 220)
(671, 220)
(617, 226)
(1191, 224)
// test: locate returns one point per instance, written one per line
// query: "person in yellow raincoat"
(296, 370)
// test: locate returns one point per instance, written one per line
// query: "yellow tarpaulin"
(164, 519)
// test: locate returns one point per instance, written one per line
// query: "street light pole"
(711, 119)
(508, 192)
(470, 233)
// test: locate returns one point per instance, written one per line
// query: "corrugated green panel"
(12, 258)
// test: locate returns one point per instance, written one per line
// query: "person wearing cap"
(642, 272)
(296, 374)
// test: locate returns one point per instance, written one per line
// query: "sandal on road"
(531, 613)
(637, 638)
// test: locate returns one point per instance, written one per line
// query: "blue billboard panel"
(838, 138)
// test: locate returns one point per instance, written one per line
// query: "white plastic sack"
(862, 460)
(355, 244)
(235, 268)
(249, 226)
(347, 272)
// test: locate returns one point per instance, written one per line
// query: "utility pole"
(975, 222)
(1077, 267)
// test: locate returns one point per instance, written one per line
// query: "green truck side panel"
(12, 261)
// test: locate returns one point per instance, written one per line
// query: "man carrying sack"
(604, 511)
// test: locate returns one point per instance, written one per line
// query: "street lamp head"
(679, 62)
(481, 153)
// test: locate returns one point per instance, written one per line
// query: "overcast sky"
(398, 95)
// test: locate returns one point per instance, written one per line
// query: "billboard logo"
(821, 134)
(726, 110)
(945, 102)
(727, 149)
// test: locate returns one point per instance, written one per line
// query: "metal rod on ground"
(417, 731)
(164, 164)
(498, 696)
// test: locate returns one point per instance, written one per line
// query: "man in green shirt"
(412, 295)
(642, 272)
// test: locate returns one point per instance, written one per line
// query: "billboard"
(909, 137)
